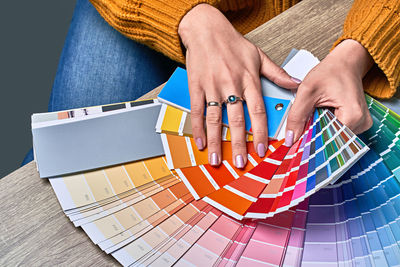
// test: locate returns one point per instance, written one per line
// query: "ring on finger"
(232, 99)
(214, 104)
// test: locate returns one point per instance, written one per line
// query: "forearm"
(155, 22)
(376, 25)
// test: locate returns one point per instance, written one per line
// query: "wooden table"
(33, 228)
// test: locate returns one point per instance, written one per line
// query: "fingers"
(238, 133)
(258, 116)
(213, 121)
(197, 100)
(299, 113)
(276, 74)
(355, 117)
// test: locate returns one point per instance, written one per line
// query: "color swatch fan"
(328, 200)
(285, 177)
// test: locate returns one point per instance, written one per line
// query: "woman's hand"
(335, 82)
(221, 62)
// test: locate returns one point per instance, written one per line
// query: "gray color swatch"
(97, 142)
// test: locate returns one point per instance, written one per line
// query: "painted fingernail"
(289, 138)
(295, 80)
(214, 159)
(239, 162)
(261, 150)
(199, 144)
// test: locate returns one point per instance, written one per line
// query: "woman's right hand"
(220, 62)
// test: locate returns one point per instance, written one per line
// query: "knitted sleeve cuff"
(151, 22)
(376, 25)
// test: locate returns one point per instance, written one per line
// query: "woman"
(99, 66)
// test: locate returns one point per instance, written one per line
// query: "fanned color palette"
(146, 213)
(331, 199)
(286, 176)
(143, 213)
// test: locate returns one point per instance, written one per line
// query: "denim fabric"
(98, 65)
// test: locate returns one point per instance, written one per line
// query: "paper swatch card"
(94, 141)
(178, 122)
(176, 93)
(144, 213)
(286, 176)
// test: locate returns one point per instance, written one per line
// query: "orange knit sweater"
(373, 23)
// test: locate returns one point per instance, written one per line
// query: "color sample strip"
(383, 137)
(377, 105)
(204, 179)
(105, 209)
(264, 203)
(294, 249)
(207, 250)
(236, 204)
(362, 255)
(83, 189)
(181, 246)
(368, 220)
(268, 242)
(272, 194)
(320, 237)
(115, 223)
(382, 208)
(132, 252)
(177, 233)
(340, 152)
(181, 151)
(152, 256)
(80, 112)
(146, 224)
(58, 154)
(178, 122)
(233, 253)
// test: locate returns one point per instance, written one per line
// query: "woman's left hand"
(335, 82)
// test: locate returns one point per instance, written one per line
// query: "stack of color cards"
(143, 214)
(266, 187)
(326, 200)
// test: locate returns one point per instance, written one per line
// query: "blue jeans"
(98, 65)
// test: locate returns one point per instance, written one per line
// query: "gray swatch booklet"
(90, 138)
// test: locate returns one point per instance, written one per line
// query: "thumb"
(298, 116)
(275, 73)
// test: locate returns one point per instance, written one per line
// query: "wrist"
(188, 25)
(353, 56)
(204, 23)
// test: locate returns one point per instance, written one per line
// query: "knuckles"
(197, 111)
(258, 110)
(237, 121)
(259, 133)
(213, 118)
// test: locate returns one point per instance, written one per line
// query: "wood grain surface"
(33, 228)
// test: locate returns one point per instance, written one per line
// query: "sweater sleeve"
(376, 25)
(154, 22)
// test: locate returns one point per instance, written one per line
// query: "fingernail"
(199, 144)
(239, 162)
(214, 159)
(261, 150)
(295, 80)
(289, 138)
